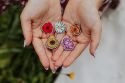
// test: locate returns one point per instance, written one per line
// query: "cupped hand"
(84, 13)
(35, 13)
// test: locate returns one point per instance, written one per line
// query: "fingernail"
(93, 55)
(24, 45)
(46, 69)
(63, 67)
(56, 68)
(53, 71)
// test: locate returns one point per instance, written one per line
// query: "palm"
(85, 14)
(40, 12)
(39, 39)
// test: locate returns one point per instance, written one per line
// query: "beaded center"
(52, 42)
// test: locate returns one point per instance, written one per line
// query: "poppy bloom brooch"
(47, 27)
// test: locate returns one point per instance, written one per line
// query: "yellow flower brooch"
(52, 43)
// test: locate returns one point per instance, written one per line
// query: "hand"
(84, 13)
(35, 13)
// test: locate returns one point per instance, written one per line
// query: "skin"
(85, 13)
(35, 13)
(82, 12)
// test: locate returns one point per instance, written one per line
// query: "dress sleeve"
(109, 4)
(114, 4)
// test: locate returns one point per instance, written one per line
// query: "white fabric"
(109, 64)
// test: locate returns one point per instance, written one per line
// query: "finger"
(83, 38)
(27, 31)
(59, 50)
(61, 59)
(49, 55)
(74, 54)
(57, 53)
(95, 37)
(52, 66)
(39, 48)
(92, 22)
(63, 56)
(26, 26)
(59, 37)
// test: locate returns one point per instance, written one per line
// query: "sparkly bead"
(52, 43)
(60, 27)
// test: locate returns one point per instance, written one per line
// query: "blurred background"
(18, 64)
(21, 65)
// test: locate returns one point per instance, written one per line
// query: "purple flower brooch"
(67, 44)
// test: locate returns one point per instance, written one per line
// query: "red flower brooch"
(47, 27)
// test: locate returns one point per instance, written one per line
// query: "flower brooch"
(52, 43)
(75, 30)
(47, 27)
(67, 44)
(59, 28)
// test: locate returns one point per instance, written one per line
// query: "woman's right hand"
(85, 14)
(35, 13)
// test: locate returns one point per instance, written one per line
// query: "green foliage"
(18, 64)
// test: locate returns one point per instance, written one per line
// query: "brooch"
(60, 27)
(75, 30)
(67, 44)
(52, 43)
(47, 27)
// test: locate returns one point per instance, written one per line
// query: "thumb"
(27, 31)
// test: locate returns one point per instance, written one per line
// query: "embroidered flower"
(47, 27)
(75, 30)
(52, 43)
(68, 44)
(60, 27)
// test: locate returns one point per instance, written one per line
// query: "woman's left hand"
(35, 13)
